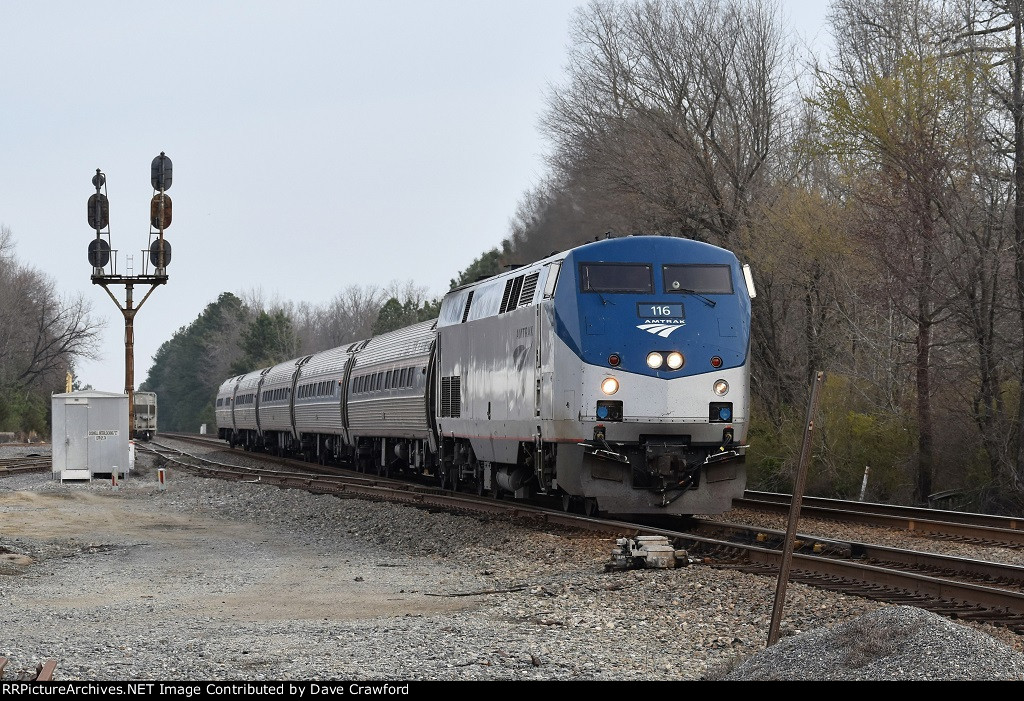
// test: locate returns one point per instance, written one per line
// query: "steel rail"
(756, 499)
(927, 526)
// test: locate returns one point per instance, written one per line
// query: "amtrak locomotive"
(614, 375)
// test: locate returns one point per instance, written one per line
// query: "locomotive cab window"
(704, 279)
(552, 279)
(616, 277)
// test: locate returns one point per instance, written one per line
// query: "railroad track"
(756, 499)
(976, 529)
(347, 483)
(955, 587)
(28, 463)
(958, 587)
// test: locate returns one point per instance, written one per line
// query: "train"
(612, 377)
(145, 415)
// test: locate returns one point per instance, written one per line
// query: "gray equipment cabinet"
(90, 435)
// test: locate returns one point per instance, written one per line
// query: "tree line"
(877, 191)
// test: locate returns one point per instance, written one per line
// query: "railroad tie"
(44, 671)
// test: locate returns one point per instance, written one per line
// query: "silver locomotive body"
(548, 383)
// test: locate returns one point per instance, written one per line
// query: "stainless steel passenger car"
(223, 411)
(386, 411)
(246, 431)
(317, 405)
(274, 407)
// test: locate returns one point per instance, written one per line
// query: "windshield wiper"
(707, 300)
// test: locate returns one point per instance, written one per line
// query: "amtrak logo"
(660, 328)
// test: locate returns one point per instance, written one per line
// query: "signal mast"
(104, 266)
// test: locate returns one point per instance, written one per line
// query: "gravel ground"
(212, 580)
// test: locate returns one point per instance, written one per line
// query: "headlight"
(654, 360)
(610, 385)
(721, 388)
(675, 360)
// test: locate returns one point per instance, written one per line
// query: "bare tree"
(350, 315)
(42, 334)
(672, 107)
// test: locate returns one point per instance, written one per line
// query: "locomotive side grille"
(451, 396)
(517, 288)
(529, 287)
(505, 297)
(513, 292)
(469, 301)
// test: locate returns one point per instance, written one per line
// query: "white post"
(864, 484)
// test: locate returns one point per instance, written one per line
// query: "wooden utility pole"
(794, 510)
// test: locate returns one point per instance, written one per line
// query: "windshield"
(616, 277)
(703, 279)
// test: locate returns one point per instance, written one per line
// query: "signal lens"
(614, 360)
(675, 360)
(654, 360)
(716, 362)
(721, 388)
(610, 385)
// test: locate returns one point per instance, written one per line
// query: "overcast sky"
(316, 145)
